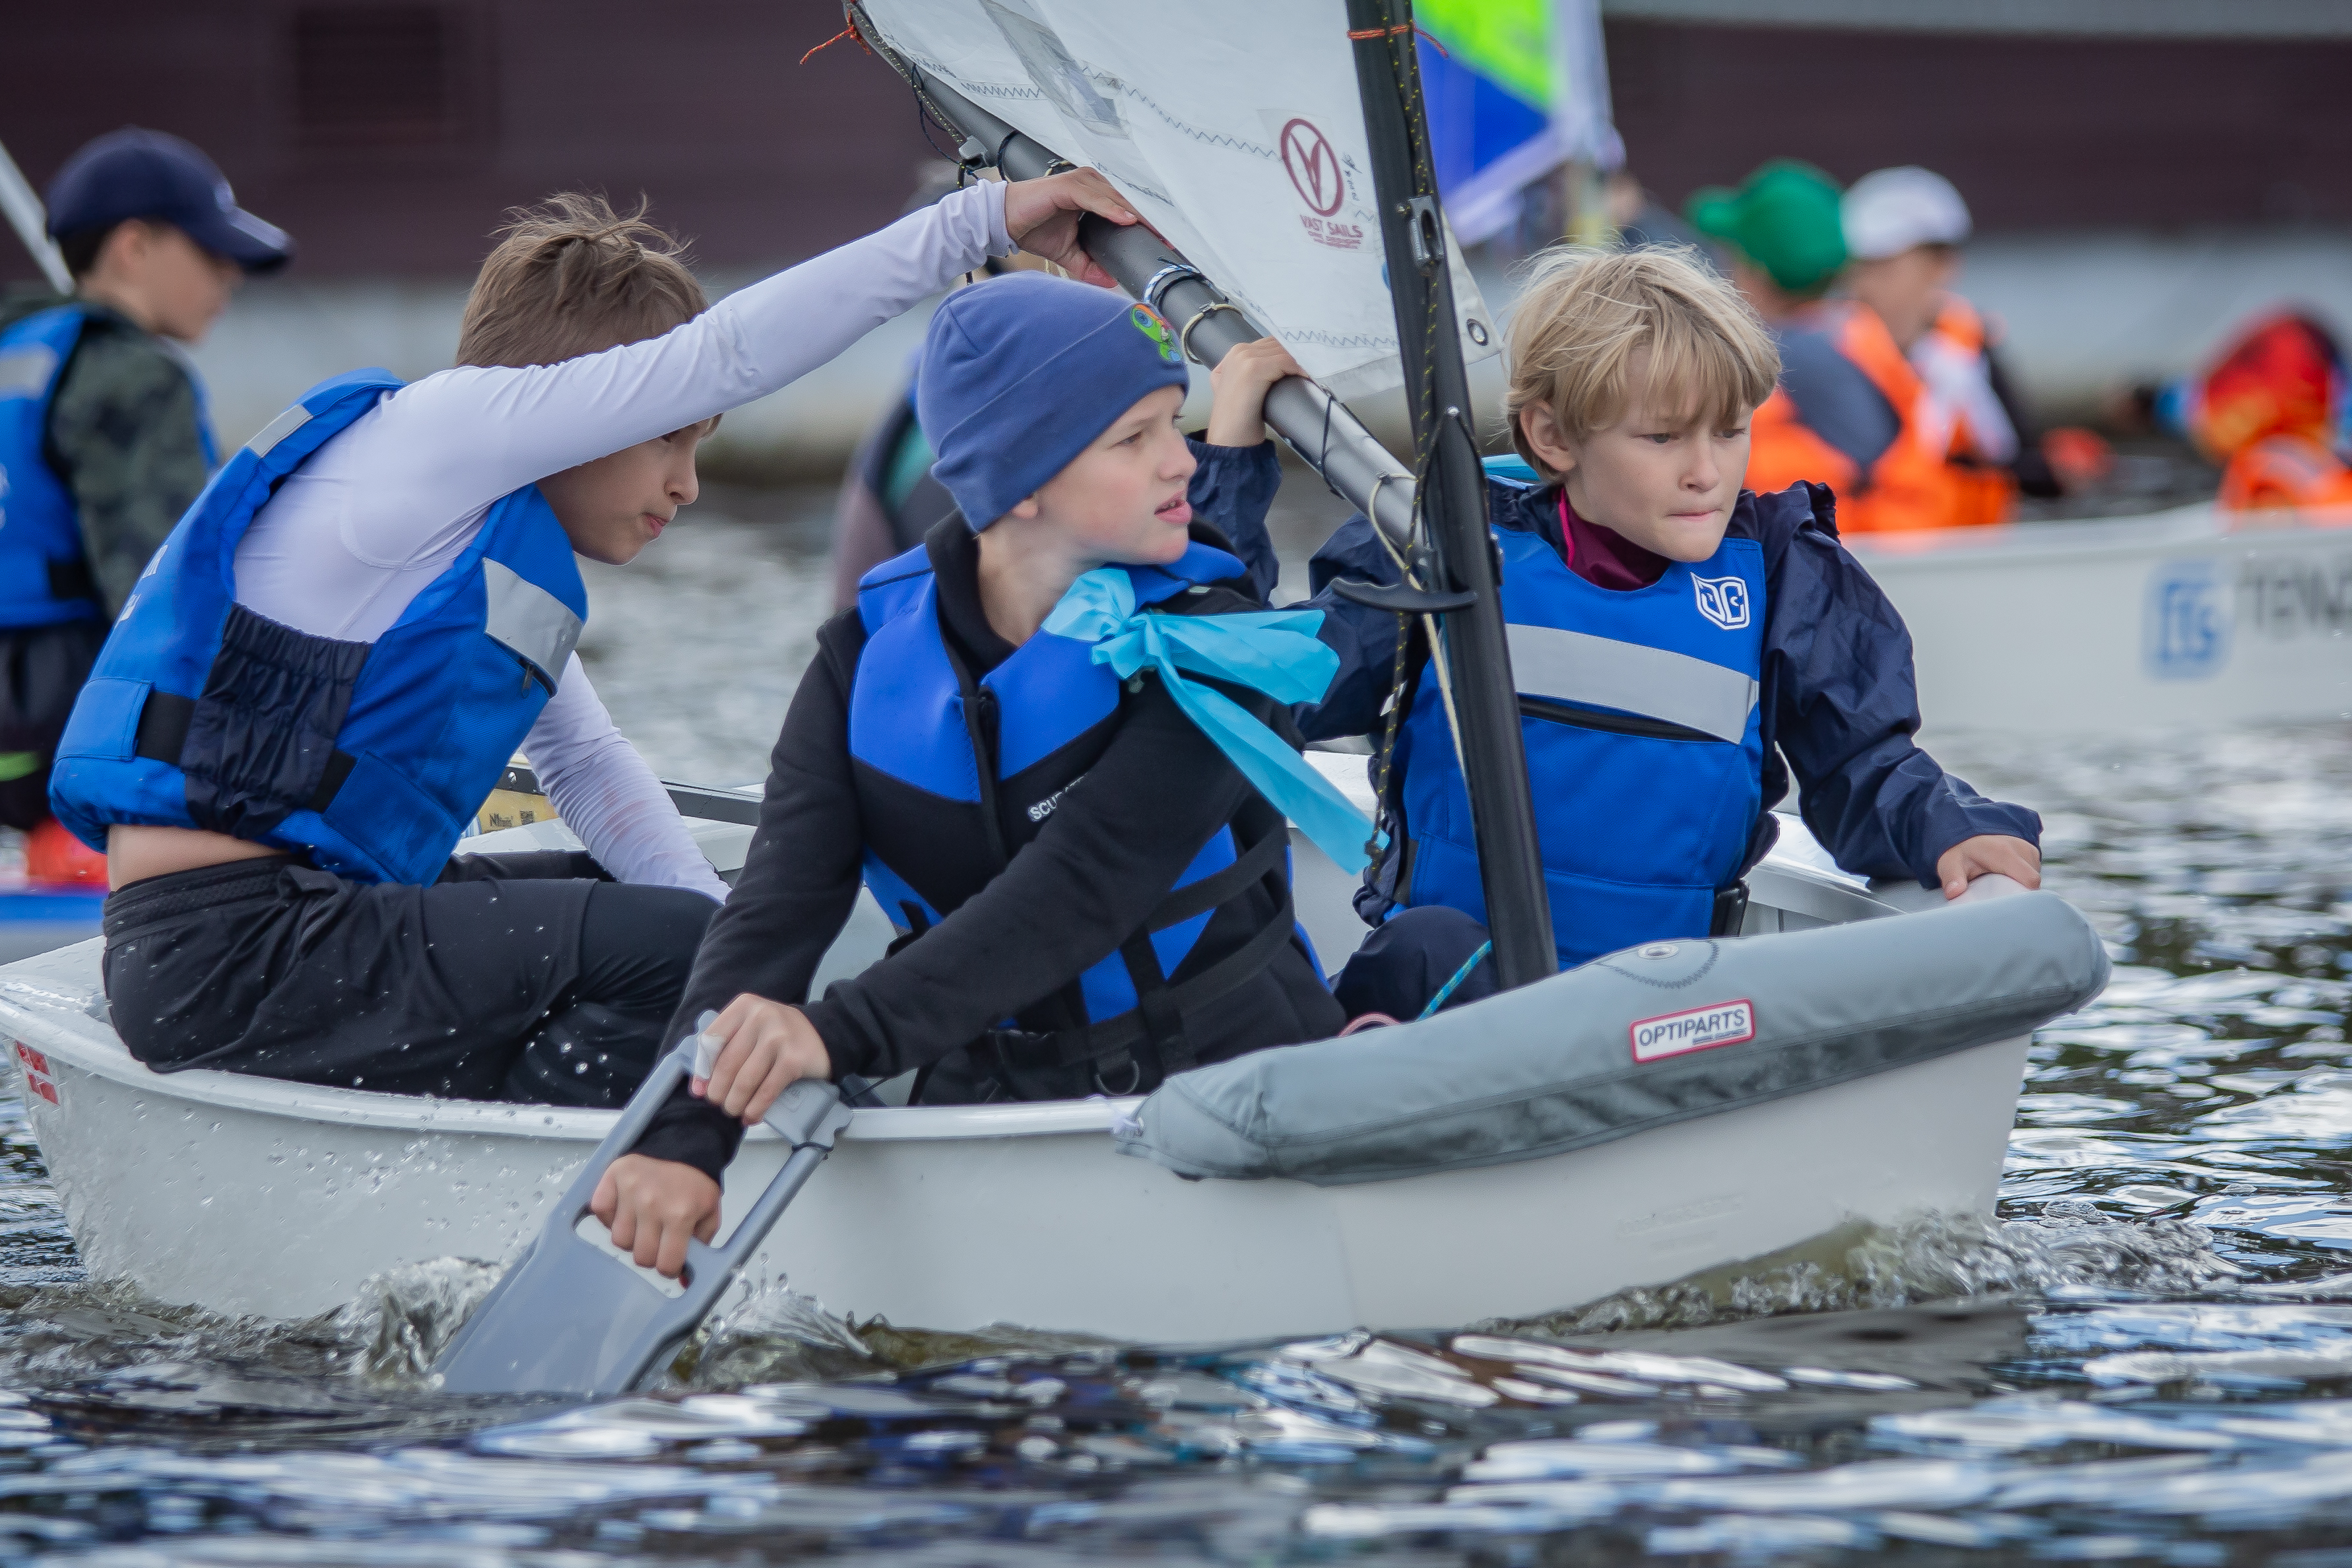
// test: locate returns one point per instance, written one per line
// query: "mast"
(1452, 494)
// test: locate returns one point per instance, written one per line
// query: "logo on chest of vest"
(1723, 600)
(1718, 1024)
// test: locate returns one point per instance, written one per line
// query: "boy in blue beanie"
(1090, 894)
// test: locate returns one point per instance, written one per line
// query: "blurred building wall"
(2040, 132)
(2138, 195)
(388, 135)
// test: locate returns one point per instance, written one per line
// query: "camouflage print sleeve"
(123, 431)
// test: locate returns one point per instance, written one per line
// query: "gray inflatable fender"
(1638, 1039)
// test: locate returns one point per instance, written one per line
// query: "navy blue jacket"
(1840, 701)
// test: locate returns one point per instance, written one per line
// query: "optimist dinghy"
(2188, 617)
(1666, 1109)
(1855, 1054)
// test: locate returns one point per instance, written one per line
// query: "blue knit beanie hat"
(1020, 374)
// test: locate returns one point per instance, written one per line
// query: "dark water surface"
(2147, 1357)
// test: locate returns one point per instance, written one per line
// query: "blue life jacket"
(955, 774)
(1640, 715)
(369, 756)
(44, 578)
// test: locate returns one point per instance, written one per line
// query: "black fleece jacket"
(1107, 855)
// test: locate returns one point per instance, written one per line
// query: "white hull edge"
(262, 1198)
(248, 1196)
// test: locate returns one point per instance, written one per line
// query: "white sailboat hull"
(252, 1197)
(277, 1200)
(2180, 619)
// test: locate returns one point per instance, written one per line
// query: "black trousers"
(1409, 959)
(515, 977)
(41, 672)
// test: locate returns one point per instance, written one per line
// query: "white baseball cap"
(1889, 211)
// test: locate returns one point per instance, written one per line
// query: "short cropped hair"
(80, 247)
(572, 277)
(1584, 314)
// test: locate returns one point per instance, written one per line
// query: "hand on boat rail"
(1991, 885)
(1986, 856)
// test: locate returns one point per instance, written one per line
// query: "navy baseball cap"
(132, 173)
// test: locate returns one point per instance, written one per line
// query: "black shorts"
(515, 977)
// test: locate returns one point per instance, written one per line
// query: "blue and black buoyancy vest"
(1640, 714)
(368, 756)
(955, 775)
(45, 577)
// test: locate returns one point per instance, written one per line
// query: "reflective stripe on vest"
(1639, 712)
(956, 775)
(44, 579)
(1655, 682)
(369, 756)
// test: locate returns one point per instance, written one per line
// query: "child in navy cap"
(1090, 895)
(103, 439)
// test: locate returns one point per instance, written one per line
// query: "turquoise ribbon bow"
(1273, 651)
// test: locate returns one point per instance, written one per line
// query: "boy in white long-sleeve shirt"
(338, 646)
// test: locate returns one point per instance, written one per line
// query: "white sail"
(1239, 137)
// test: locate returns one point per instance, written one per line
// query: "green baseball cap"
(1783, 218)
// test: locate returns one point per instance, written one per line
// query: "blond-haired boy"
(1673, 638)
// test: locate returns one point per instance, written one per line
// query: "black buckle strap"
(70, 580)
(1730, 910)
(163, 737)
(1077, 1048)
(163, 727)
(1220, 886)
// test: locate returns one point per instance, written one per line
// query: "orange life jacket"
(2287, 472)
(1909, 486)
(1984, 490)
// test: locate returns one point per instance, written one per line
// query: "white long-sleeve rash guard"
(383, 508)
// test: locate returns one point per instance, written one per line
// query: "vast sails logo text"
(1321, 181)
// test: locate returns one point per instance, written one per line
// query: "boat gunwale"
(67, 1031)
(2196, 525)
(107, 1058)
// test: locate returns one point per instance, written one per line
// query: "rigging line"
(1446, 992)
(1428, 626)
(849, 32)
(1364, 34)
(1323, 464)
(1396, 689)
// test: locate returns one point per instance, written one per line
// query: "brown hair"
(572, 277)
(1584, 314)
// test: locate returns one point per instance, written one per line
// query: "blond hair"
(572, 277)
(1584, 316)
